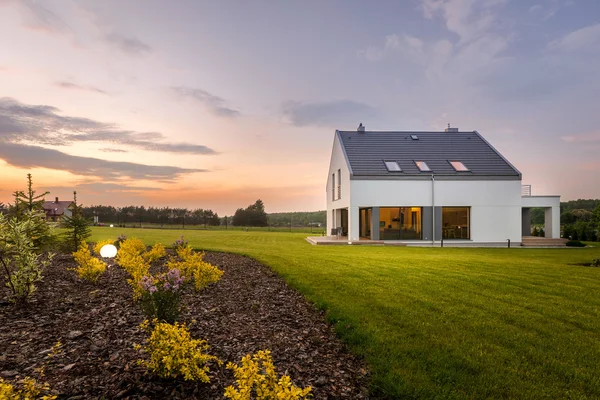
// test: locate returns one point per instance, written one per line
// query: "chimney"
(56, 200)
(361, 128)
(448, 129)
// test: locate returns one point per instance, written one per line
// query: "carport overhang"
(551, 206)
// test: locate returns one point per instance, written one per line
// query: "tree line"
(154, 215)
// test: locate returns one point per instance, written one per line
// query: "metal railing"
(525, 190)
(339, 192)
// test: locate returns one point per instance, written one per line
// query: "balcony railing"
(339, 192)
(525, 190)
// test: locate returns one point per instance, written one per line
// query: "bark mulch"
(249, 309)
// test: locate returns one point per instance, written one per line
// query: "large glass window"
(456, 223)
(400, 223)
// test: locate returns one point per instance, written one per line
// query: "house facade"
(419, 187)
(57, 209)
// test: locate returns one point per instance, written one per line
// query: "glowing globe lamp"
(108, 251)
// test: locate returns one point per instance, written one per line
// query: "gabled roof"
(367, 151)
(56, 207)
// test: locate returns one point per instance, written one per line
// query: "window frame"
(421, 169)
(392, 170)
(466, 169)
(339, 187)
(468, 224)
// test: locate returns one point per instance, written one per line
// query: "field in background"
(317, 231)
(445, 323)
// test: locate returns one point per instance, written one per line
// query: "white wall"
(338, 161)
(552, 212)
(495, 205)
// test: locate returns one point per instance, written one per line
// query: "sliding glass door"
(400, 223)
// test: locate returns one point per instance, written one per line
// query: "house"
(422, 187)
(56, 209)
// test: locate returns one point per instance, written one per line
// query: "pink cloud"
(583, 137)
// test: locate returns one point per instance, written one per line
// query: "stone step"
(543, 241)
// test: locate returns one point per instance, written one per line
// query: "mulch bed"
(249, 309)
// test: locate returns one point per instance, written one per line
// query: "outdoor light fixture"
(108, 251)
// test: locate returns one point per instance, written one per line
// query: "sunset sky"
(215, 104)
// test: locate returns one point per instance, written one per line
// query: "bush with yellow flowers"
(173, 353)
(89, 267)
(256, 379)
(30, 390)
(101, 244)
(131, 258)
(157, 251)
(194, 268)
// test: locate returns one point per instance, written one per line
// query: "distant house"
(56, 209)
(427, 186)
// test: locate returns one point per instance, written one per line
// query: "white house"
(406, 186)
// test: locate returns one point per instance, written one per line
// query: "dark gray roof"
(56, 208)
(367, 151)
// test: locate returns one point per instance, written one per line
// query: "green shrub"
(595, 262)
(575, 243)
(161, 295)
(21, 264)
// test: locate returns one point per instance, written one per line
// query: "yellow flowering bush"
(101, 244)
(130, 247)
(31, 390)
(173, 353)
(157, 251)
(89, 267)
(194, 268)
(131, 258)
(256, 379)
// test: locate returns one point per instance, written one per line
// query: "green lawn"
(442, 323)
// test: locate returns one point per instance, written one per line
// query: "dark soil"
(249, 309)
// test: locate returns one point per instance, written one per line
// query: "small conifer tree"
(78, 228)
(29, 207)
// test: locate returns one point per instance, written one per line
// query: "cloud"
(129, 45)
(332, 113)
(24, 156)
(585, 39)
(74, 86)
(41, 124)
(213, 103)
(103, 187)
(584, 137)
(107, 150)
(393, 43)
(40, 18)
(469, 19)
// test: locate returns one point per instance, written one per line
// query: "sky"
(214, 104)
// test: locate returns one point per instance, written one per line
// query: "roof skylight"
(414, 137)
(392, 166)
(458, 166)
(422, 165)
